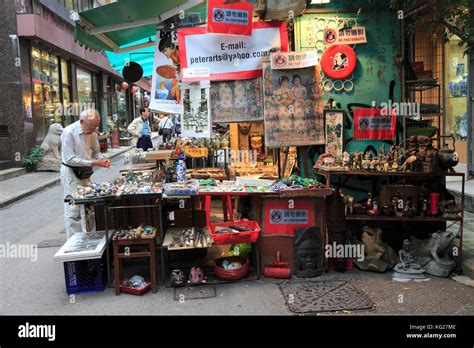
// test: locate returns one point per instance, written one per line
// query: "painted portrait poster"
(166, 94)
(293, 110)
(237, 101)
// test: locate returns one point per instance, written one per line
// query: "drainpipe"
(470, 106)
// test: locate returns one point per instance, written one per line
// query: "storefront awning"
(143, 56)
(112, 27)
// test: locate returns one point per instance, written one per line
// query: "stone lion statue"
(51, 146)
(432, 253)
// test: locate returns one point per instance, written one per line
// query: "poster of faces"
(237, 101)
(293, 110)
(196, 117)
(166, 94)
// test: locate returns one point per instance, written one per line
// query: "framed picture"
(334, 131)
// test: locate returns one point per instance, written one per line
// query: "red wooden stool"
(227, 208)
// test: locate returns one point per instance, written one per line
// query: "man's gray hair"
(89, 115)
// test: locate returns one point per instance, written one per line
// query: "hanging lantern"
(135, 89)
(124, 86)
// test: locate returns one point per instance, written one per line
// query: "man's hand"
(101, 163)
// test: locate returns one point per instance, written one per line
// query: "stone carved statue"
(406, 260)
(431, 254)
(51, 146)
(308, 252)
(408, 268)
(379, 256)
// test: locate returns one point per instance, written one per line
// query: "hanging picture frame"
(334, 131)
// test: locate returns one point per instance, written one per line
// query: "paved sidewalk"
(11, 190)
(455, 187)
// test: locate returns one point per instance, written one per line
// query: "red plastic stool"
(227, 208)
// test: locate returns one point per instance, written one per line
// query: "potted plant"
(33, 158)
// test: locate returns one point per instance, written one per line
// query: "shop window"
(69, 4)
(23, 6)
(68, 114)
(46, 87)
(456, 74)
(84, 89)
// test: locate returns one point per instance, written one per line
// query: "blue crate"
(84, 276)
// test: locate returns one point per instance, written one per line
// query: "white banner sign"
(165, 91)
(194, 73)
(293, 60)
(344, 36)
(231, 57)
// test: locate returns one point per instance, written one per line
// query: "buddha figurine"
(407, 261)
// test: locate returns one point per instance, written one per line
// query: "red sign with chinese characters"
(234, 18)
(282, 216)
(374, 124)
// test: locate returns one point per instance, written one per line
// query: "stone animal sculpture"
(432, 254)
(379, 256)
(51, 146)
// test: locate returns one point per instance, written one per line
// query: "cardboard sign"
(374, 124)
(234, 18)
(293, 60)
(231, 57)
(344, 36)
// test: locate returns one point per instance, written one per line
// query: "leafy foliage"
(455, 17)
(34, 156)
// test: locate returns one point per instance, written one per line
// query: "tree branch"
(457, 31)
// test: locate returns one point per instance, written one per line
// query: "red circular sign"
(279, 60)
(338, 62)
(330, 36)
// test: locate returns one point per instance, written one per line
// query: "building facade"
(47, 77)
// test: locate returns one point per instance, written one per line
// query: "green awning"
(143, 14)
(142, 56)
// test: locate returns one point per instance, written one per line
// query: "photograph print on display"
(196, 116)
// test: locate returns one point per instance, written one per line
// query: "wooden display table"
(118, 257)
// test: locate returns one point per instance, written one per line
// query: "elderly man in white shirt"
(79, 148)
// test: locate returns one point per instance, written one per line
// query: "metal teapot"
(448, 158)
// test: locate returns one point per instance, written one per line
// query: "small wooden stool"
(118, 257)
(227, 208)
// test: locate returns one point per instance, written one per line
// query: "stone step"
(468, 268)
(468, 196)
(11, 173)
(5, 164)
